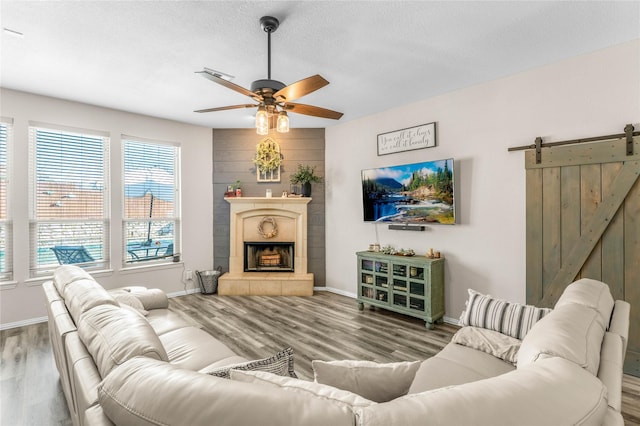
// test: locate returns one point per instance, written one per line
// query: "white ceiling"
(140, 56)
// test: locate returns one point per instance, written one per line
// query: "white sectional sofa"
(128, 364)
(77, 304)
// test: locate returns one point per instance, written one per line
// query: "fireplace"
(268, 257)
(268, 251)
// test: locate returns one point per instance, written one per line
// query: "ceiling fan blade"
(229, 85)
(300, 88)
(313, 110)
(227, 107)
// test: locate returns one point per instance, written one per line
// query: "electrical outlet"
(188, 275)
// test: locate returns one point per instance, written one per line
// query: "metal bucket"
(209, 280)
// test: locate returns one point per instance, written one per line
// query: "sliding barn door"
(583, 221)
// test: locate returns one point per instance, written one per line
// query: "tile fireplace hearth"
(267, 248)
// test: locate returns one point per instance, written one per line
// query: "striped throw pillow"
(512, 319)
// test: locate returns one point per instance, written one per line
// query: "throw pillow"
(489, 341)
(372, 380)
(512, 319)
(315, 390)
(128, 299)
(280, 364)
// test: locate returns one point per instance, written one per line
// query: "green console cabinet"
(411, 285)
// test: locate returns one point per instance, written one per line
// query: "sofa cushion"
(85, 294)
(152, 298)
(512, 319)
(375, 381)
(303, 387)
(51, 292)
(175, 396)
(95, 416)
(573, 332)
(619, 323)
(224, 362)
(280, 364)
(83, 374)
(126, 298)
(113, 335)
(163, 321)
(591, 293)
(193, 348)
(553, 392)
(454, 365)
(489, 341)
(611, 362)
(66, 274)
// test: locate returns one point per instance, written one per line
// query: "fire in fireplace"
(268, 257)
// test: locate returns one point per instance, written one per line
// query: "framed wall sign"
(418, 137)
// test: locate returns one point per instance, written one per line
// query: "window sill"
(143, 268)
(8, 285)
(35, 281)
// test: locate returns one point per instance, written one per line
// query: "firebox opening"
(268, 257)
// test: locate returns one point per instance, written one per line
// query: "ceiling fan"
(273, 98)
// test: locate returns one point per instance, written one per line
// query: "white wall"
(590, 95)
(25, 302)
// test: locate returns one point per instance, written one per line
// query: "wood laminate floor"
(326, 326)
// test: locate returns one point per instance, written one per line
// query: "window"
(69, 199)
(6, 246)
(151, 208)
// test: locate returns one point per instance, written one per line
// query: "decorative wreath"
(274, 227)
(267, 155)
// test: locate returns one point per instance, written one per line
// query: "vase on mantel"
(306, 189)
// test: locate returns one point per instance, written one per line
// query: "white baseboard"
(452, 321)
(183, 292)
(22, 323)
(336, 291)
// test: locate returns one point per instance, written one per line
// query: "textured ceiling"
(140, 56)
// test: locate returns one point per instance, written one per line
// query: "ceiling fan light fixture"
(262, 130)
(272, 96)
(262, 121)
(282, 125)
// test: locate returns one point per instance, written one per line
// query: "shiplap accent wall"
(233, 151)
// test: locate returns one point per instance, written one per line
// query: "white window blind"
(151, 201)
(69, 199)
(6, 246)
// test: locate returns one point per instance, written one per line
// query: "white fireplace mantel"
(267, 200)
(290, 215)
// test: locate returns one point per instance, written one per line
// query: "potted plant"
(234, 190)
(304, 175)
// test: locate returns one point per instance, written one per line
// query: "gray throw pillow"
(372, 380)
(280, 364)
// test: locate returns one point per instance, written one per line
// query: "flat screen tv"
(418, 193)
